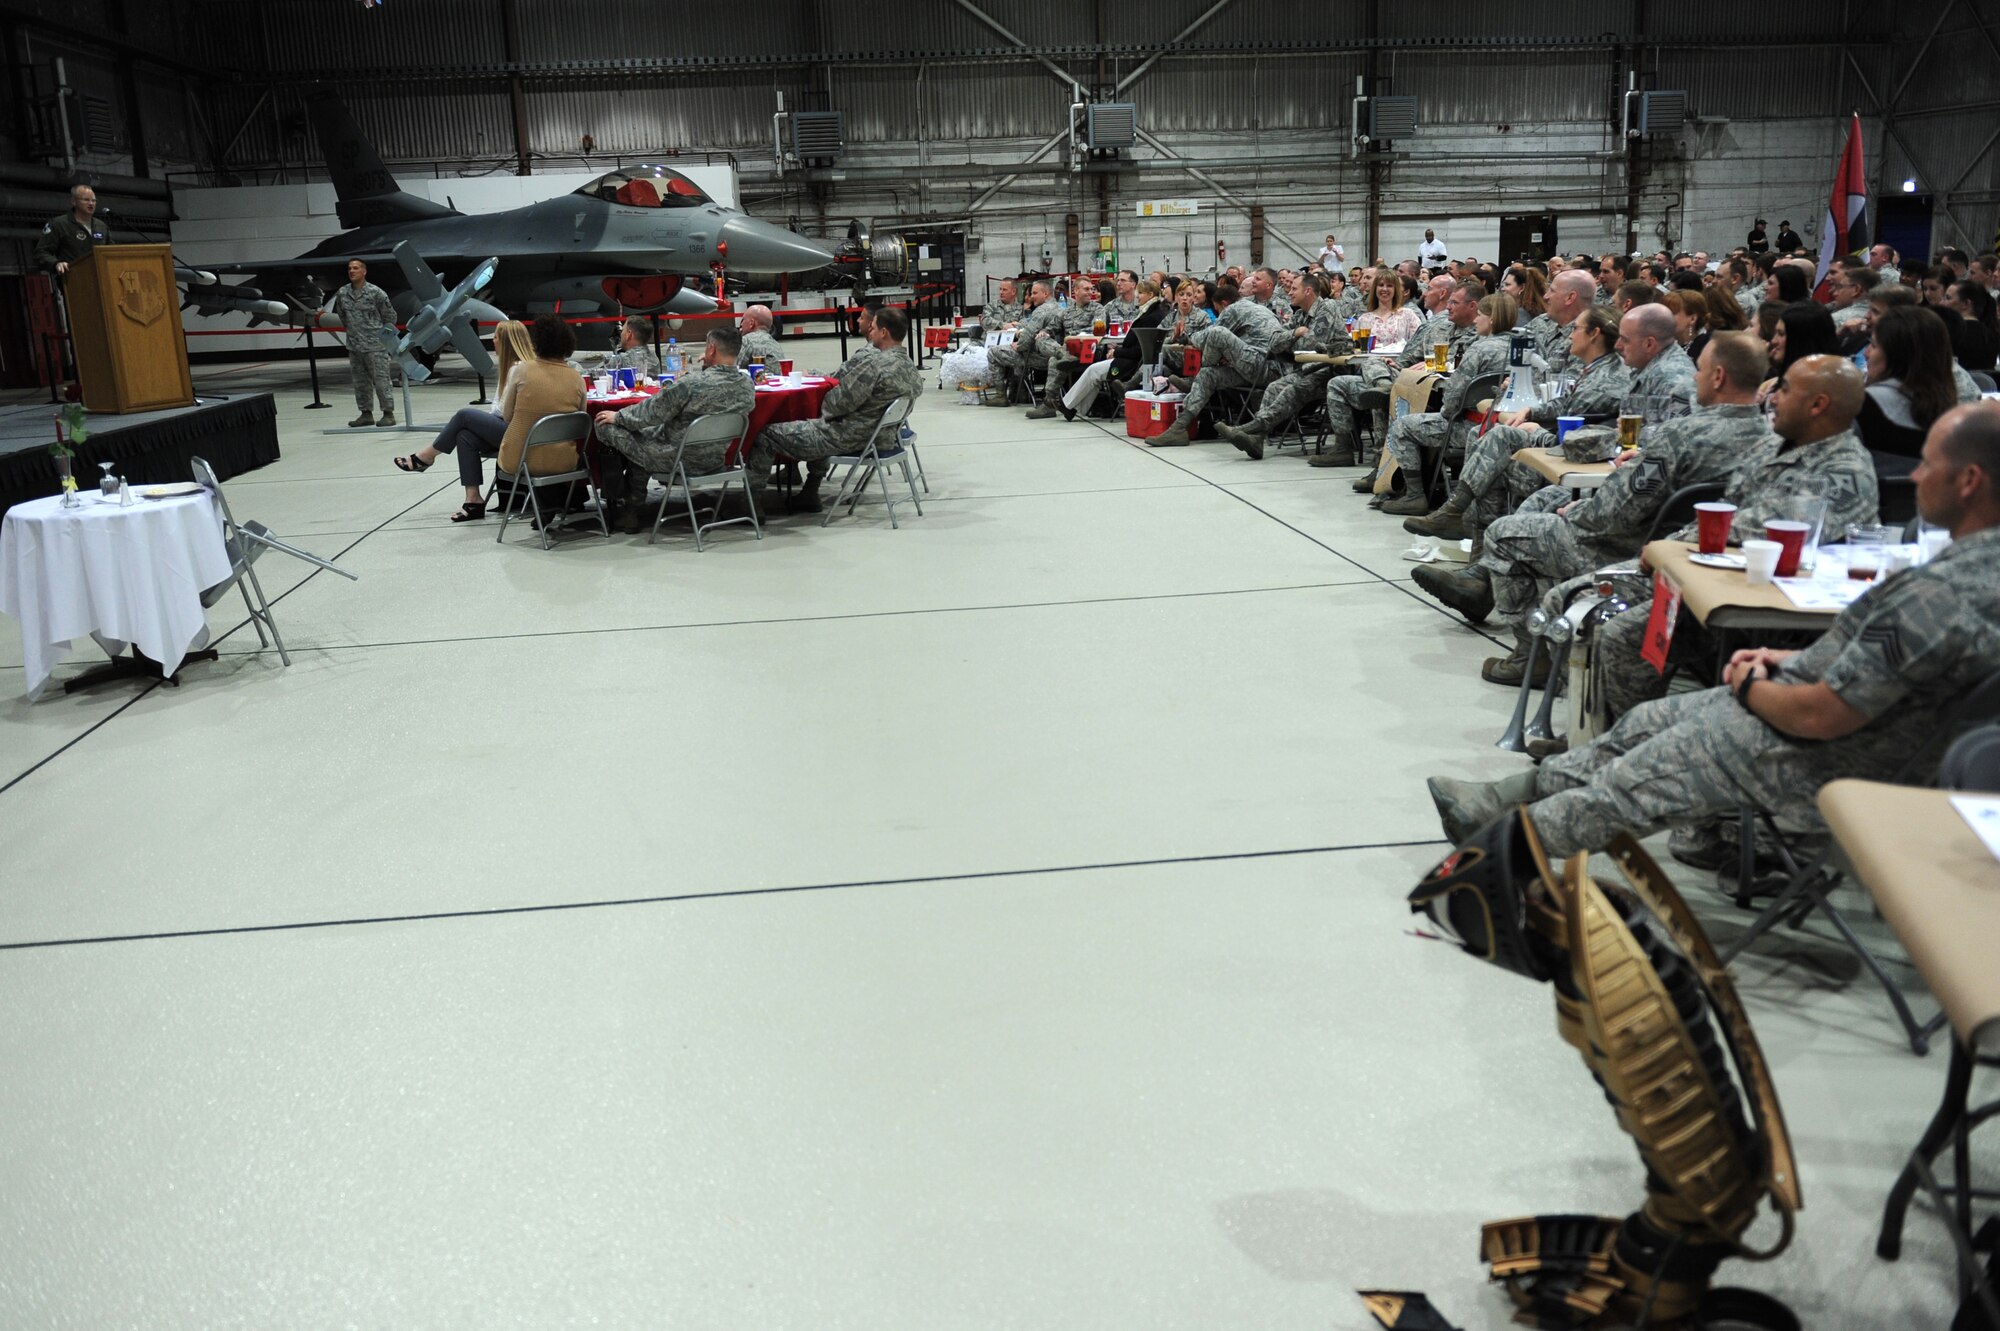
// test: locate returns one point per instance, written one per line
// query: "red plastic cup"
(784, 367)
(1791, 539)
(1712, 526)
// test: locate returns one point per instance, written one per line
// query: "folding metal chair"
(568, 427)
(246, 543)
(1807, 885)
(1437, 467)
(873, 460)
(721, 427)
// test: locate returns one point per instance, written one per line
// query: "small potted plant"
(71, 431)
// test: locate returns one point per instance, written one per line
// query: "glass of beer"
(1097, 326)
(1628, 431)
(1440, 355)
(1865, 548)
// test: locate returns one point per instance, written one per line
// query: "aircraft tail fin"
(368, 194)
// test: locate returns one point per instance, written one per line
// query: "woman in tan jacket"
(531, 389)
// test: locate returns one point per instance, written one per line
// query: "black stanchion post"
(840, 321)
(312, 367)
(482, 400)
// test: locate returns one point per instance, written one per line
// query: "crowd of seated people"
(1747, 372)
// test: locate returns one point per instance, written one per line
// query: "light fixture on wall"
(1909, 187)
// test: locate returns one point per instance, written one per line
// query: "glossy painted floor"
(997, 922)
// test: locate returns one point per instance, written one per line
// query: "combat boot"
(1508, 669)
(1411, 504)
(1468, 591)
(1366, 483)
(807, 498)
(1340, 455)
(1045, 412)
(1175, 435)
(1448, 522)
(388, 416)
(365, 418)
(1181, 383)
(1466, 806)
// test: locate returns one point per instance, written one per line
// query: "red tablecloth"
(793, 400)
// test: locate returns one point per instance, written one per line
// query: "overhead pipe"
(50, 177)
(47, 203)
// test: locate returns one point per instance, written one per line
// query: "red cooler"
(1149, 414)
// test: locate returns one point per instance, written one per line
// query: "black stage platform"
(150, 447)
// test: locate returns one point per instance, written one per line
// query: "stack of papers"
(1982, 815)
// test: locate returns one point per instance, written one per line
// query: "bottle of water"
(671, 364)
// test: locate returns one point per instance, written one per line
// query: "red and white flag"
(1845, 230)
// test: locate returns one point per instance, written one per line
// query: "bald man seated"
(755, 324)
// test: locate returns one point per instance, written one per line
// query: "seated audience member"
(872, 378)
(1124, 303)
(1083, 316)
(1316, 327)
(1235, 353)
(1724, 314)
(1787, 283)
(536, 381)
(1801, 330)
(1005, 310)
(632, 352)
(1388, 314)
(1850, 288)
(755, 326)
(1936, 285)
(1193, 302)
(1568, 299)
(1450, 308)
(641, 440)
(1529, 290)
(1446, 428)
(1488, 481)
(1814, 454)
(1632, 294)
(1122, 367)
(1690, 311)
(1038, 339)
(1857, 703)
(1909, 381)
(1978, 339)
(1883, 261)
(1554, 537)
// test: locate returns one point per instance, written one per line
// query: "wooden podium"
(125, 327)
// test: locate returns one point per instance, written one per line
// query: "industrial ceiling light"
(1909, 187)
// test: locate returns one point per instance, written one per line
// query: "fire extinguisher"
(1221, 255)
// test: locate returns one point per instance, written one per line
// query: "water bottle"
(672, 362)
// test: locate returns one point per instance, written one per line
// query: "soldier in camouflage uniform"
(1262, 286)
(632, 353)
(1124, 304)
(1450, 320)
(873, 377)
(1557, 541)
(1444, 427)
(1662, 381)
(364, 310)
(1491, 480)
(1814, 454)
(755, 325)
(1081, 316)
(1189, 318)
(1038, 341)
(1316, 326)
(1859, 702)
(1569, 297)
(643, 439)
(1346, 299)
(1004, 312)
(1235, 353)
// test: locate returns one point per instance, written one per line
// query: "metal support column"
(517, 93)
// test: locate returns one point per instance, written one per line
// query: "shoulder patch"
(1889, 640)
(1649, 476)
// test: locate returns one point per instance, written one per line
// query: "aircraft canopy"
(646, 187)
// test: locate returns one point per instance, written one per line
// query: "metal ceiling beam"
(1178, 162)
(1032, 158)
(101, 42)
(1146, 65)
(995, 24)
(1943, 208)
(1896, 97)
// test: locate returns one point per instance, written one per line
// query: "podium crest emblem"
(140, 296)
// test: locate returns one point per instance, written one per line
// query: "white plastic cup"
(1760, 561)
(1896, 558)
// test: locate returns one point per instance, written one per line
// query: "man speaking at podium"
(71, 236)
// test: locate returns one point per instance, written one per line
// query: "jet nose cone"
(760, 247)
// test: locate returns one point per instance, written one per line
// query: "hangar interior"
(994, 920)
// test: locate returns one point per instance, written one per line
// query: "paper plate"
(1716, 561)
(168, 491)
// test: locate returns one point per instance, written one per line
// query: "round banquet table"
(121, 574)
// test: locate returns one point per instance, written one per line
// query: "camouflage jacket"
(1434, 329)
(1120, 311)
(1613, 521)
(1776, 474)
(997, 314)
(869, 382)
(1486, 355)
(1325, 330)
(1197, 319)
(1081, 314)
(1254, 325)
(365, 314)
(1663, 390)
(760, 343)
(650, 432)
(1600, 386)
(1045, 319)
(1906, 652)
(638, 358)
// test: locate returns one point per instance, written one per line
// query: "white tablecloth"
(120, 574)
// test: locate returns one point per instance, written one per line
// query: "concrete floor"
(997, 922)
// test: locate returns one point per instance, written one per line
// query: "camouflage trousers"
(1411, 434)
(1286, 397)
(1018, 361)
(1226, 362)
(810, 442)
(1341, 392)
(1498, 483)
(373, 377)
(626, 463)
(1671, 762)
(1525, 554)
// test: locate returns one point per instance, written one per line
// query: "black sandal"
(413, 463)
(469, 513)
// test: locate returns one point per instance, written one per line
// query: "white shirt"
(1432, 253)
(1332, 254)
